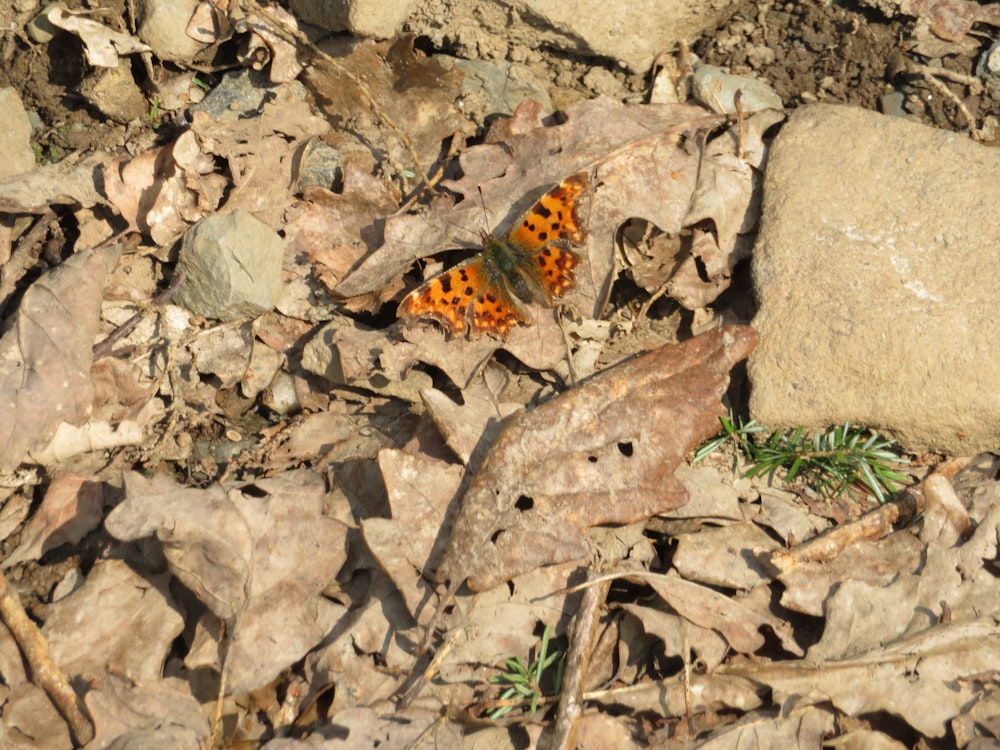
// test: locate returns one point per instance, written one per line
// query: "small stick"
(740, 123)
(29, 248)
(431, 671)
(44, 671)
(103, 349)
(578, 663)
(931, 76)
(873, 525)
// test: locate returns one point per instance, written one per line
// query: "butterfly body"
(531, 263)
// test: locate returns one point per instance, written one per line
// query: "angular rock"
(876, 273)
(232, 267)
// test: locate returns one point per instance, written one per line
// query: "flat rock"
(632, 33)
(16, 155)
(876, 273)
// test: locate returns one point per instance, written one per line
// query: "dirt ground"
(807, 51)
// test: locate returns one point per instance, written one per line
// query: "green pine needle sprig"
(829, 461)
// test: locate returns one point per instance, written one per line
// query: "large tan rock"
(876, 271)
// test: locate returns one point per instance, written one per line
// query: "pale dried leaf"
(46, 354)
(724, 556)
(919, 680)
(146, 715)
(259, 562)
(67, 182)
(420, 493)
(162, 191)
(739, 625)
(72, 507)
(808, 727)
(117, 617)
(474, 423)
(676, 633)
(506, 620)
(102, 44)
(807, 586)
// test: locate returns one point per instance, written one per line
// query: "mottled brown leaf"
(45, 356)
(604, 452)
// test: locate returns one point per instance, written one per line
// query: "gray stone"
(163, 26)
(489, 86)
(241, 94)
(379, 19)
(232, 267)
(876, 272)
(16, 155)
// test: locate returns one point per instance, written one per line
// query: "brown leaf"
(738, 624)
(604, 452)
(420, 491)
(47, 353)
(72, 508)
(117, 617)
(258, 559)
(143, 715)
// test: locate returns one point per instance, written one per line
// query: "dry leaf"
(116, 618)
(162, 191)
(420, 491)
(258, 560)
(73, 507)
(67, 182)
(45, 356)
(102, 45)
(160, 713)
(603, 452)
(739, 625)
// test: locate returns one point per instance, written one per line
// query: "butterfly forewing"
(554, 217)
(531, 262)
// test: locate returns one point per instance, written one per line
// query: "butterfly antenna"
(486, 211)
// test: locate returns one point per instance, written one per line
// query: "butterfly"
(531, 263)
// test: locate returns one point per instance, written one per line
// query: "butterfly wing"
(542, 238)
(469, 297)
(555, 216)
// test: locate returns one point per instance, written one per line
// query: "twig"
(578, 663)
(104, 348)
(217, 721)
(294, 36)
(29, 248)
(447, 598)
(431, 670)
(873, 525)
(44, 671)
(931, 76)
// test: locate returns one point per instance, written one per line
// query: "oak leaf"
(604, 452)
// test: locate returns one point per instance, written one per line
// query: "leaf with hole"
(603, 452)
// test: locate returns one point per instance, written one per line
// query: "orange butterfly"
(532, 262)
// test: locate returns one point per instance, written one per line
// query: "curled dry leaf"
(71, 509)
(257, 560)
(45, 356)
(162, 191)
(604, 452)
(102, 44)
